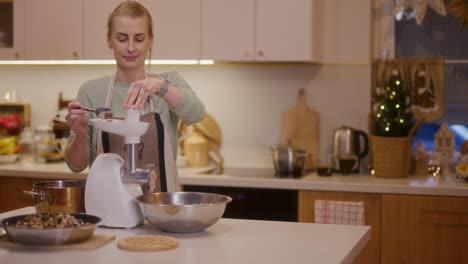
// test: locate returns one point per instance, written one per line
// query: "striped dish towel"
(339, 212)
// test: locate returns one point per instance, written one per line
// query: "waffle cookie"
(148, 243)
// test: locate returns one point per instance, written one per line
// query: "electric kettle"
(347, 142)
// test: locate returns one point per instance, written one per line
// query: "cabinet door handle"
(446, 217)
(260, 53)
(247, 53)
(75, 55)
(17, 55)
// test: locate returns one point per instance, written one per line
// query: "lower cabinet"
(11, 192)
(406, 229)
(372, 202)
(424, 229)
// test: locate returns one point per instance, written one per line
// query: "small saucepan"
(59, 196)
(288, 160)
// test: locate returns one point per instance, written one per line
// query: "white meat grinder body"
(105, 194)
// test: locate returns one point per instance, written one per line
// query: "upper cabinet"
(324, 31)
(228, 32)
(176, 28)
(347, 31)
(260, 30)
(53, 29)
(287, 31)
(95, 14)
(12, 29)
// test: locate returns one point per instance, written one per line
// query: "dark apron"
(155, 148)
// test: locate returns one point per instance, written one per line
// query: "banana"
(7, 141)
(8, 149)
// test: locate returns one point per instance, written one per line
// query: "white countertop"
(228, 241)
(264, 178)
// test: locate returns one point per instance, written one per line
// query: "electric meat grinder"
(112, 183)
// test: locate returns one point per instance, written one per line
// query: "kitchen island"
(418, 219)
(228, 241)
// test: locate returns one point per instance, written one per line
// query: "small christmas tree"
(393, 115)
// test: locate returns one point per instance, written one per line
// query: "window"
(440, 36)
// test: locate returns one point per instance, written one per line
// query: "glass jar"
(26, 146)
(44, 143)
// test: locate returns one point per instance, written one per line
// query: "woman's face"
(130, 41)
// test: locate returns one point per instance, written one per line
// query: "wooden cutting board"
(94, 242)
(300, 127)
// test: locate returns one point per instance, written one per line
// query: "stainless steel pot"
(58, 196)
(288, 160)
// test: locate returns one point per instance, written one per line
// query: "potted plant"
(393, 131)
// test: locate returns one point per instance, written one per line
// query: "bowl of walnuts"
(50, 228)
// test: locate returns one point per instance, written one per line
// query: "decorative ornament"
(460, 8)
(419, 8)
(419, 160)
(464, 148)
(444, 140)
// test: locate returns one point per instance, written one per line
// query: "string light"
(382, 107)
(401, 121)
(387, 129)
(397, 106)
(397, 82)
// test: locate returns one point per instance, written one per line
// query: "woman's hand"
(77, 119)
(139, 91)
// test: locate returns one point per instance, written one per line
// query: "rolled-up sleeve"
(190, 109)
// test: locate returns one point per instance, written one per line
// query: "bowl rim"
(140, 197)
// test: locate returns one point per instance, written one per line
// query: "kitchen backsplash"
(247, 100)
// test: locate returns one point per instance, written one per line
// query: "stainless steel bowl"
(50, 236)
(183, 212)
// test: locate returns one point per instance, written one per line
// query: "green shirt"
(93, 94)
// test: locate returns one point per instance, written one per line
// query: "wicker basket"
(391, 156)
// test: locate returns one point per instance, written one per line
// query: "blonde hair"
(132, 9)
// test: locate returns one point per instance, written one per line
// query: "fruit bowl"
(8, 158)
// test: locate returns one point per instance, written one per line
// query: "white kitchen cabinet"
(53, 29)
(95, 14)
(347, 31)
(176, 28)
(260, 30)
(16, 49)
(287, 30)
(228, 32)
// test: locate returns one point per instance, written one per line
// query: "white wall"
(247, 100)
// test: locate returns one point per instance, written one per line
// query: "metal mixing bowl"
(183, 212)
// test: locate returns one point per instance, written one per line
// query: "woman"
(130, 37)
